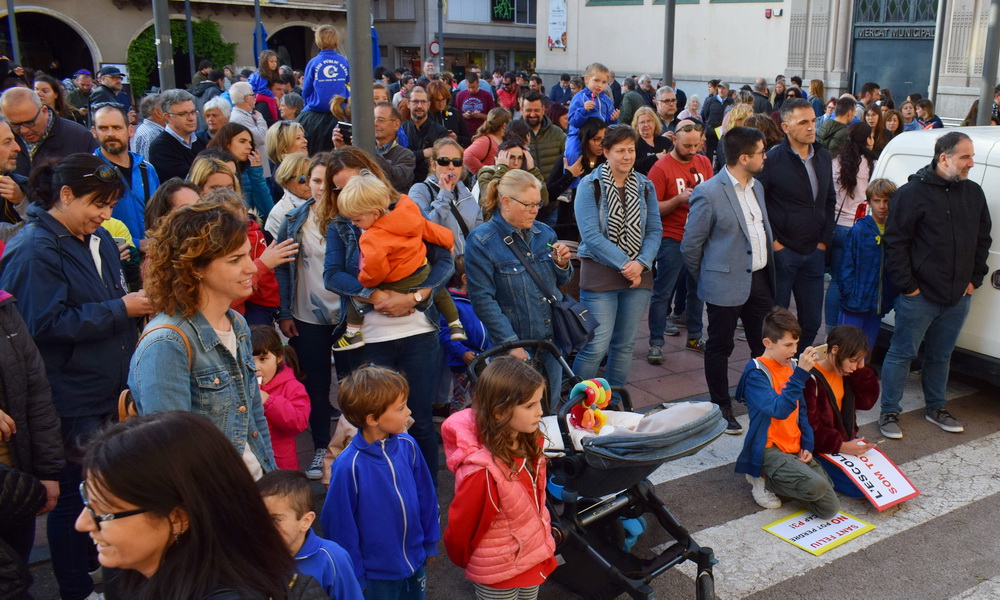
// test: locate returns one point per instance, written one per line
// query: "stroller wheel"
(705, 586)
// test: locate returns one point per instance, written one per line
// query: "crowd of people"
(192, 262)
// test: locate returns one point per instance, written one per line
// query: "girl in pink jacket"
(499, 529)
(286, 403)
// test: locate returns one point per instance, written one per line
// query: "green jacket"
(631, 102)
(547, 147)
(832, 134)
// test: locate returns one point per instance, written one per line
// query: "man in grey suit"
(727, 248)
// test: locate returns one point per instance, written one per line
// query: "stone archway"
(294, 43)
(64, 48)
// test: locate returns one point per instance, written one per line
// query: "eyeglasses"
(444, 161)
(98, 519)
(692, 127)
(185, 114)
(668, 100)
(762, 152)
(532, 206)
(104, 173)
(303, 179)
(27, 124)
(418, 102)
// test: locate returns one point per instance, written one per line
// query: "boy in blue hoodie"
(288, 497)
(866, 294)
(777, 453)
(589, 102)
(382, 506)
(459, 354)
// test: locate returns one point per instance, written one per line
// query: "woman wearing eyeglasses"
(64, 269)
(293, 177)
(620, 231)
(170, 506)
(443, 197)
(504, 295)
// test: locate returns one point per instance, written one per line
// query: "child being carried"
(393, 254)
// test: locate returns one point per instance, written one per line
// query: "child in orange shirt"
(393, 254)
(777, 454)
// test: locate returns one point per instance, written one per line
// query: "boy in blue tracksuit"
(777, 453)
(289, 500)
(866, 294)
(458, 354)
(382, 506)
(589, 102)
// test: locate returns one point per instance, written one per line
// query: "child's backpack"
(741, 386)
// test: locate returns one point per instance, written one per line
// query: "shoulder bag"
(572, 323)
(126, 401)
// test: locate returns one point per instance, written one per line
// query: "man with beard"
(112, 131)
(12, 196)
(937, 239)
(727, 247)
(548, 141)
(421, 132)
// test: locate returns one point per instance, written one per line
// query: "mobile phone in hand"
(346, 131)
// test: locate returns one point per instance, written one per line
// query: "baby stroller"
(597, 481)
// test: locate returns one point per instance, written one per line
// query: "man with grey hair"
(937, 240)
(153, 121)
(631, 101)
(13, 197)
(173, 151)
(216, 113)
(41, 134)
(646, 90)
(666, 108)
(761, 103)
(244, 113)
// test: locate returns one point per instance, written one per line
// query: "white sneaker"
(315, 470)
(761, 494)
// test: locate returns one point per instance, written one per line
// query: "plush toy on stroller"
(600, 455)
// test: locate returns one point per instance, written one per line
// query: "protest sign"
(816, 535)
(876, 476)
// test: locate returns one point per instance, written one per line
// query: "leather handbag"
(573, 325)
(126, 401)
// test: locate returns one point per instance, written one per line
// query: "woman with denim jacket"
(396, 336)
(309, 313)
(195, 355)
(505, 297)
(620, 231)
(64, 269)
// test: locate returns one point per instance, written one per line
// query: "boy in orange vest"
(777, 453)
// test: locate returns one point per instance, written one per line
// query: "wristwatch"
(418, 297)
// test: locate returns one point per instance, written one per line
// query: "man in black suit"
(173, 151)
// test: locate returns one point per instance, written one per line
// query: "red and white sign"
(435, 48)
(876, 476)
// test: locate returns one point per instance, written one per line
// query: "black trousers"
(722, 328)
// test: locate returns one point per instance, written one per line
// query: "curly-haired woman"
(195, 355)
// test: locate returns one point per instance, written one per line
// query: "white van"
(978, 349)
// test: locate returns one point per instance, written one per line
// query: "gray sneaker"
(888, 424)
(944, 420)
(680, 320)
(655, 355)
(671, 329)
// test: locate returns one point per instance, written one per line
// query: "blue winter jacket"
(864, 285)
(76, 315)
(259, 84)
(326, 76)
(131, 208)
(479, 339)
(330, 565)
(765, 404)
(256, 194)
(382, 508)
(504, 295)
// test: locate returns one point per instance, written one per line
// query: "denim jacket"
(342, 265)
(218, 387)
(290, 228)
(504, 295)
(592, 219)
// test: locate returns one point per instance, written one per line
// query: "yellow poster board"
(815, 535)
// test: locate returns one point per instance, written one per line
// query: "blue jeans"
(669, 269)
(73, 553)
(413, 587)
(833, 290)
(619, 313)
(418, 358)
(867, 322)
(802, 275)
(919, 320)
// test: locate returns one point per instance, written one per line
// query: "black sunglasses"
(444, 162)
(302, 179)
(693, 127)
(104, 173)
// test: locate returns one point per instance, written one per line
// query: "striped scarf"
(624, 214)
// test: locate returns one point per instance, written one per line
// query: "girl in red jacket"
(499, 529)
(840, 385)
(286, 403)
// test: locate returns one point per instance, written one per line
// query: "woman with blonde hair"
(737, 117)
(211, 173)
(326, 76)
(284, 138)
(486, 143)
(293, 177)
(651, 145)
(816, 94)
